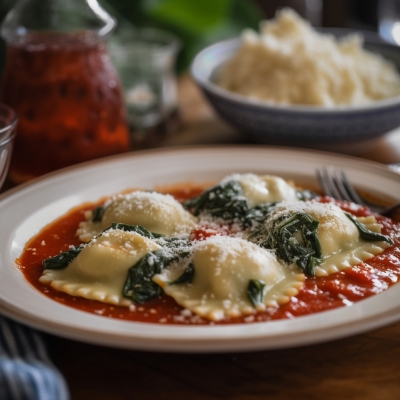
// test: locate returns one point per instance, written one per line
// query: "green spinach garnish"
(257, 214)
(366, 234)
(62, 260)
(224, 201)
(97, 213)
(255, 291)
(227, 201)
(135, 228)
(305, 195)
(139, 285)
(294, 237)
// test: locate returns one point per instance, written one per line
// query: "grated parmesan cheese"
(157, 212)
(290, 63)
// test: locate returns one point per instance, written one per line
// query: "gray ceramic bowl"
(307, 126)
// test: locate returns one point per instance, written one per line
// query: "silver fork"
(336, 184)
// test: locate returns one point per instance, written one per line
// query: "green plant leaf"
(97, 213)
(195, 16)
(135, 228)
(62, 260)
(139, 285)
(366, 234)
(305, 195)
(197, 23)
(258, 213)
(255, 291)
(283, 235)
(224, 201)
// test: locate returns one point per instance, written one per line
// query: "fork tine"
(321, 182)
(336, 184)
(329, 186)
(350, 189)
(342, 189)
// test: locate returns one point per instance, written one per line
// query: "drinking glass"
(8, 123)
(145, 61)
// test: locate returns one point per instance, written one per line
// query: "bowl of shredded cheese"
(293, 85)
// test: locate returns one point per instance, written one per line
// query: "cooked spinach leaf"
(135, 228)
(295, 239)
(255, 291)
(305, 195)
(366, 234)
(222, 201)
(62, 260)
(258, 213)
(139, 285)
(227, 201)
(97, 213)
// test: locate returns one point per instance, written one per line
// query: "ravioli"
(223, 267)
(158, 213)
(261, 189)
(100, 269)
(274, 236)
(339, 237)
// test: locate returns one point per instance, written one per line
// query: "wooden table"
(365, 366)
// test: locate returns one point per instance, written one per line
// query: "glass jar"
(59, 78)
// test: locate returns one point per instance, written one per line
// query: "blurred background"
(148, 61)
(199, 23)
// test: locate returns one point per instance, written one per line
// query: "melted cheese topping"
(260, 189)
(223, 268)
(340, 241)
(100, 270)
(158, 213)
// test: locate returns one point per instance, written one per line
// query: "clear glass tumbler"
(8, 124)
(145, 61)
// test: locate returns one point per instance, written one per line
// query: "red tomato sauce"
(318, 294)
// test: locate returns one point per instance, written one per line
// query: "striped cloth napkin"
(26, 372)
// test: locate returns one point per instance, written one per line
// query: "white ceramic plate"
(24, 211)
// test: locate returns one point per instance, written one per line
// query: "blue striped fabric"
(26, 372)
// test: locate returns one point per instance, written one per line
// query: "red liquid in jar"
(69, 101)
